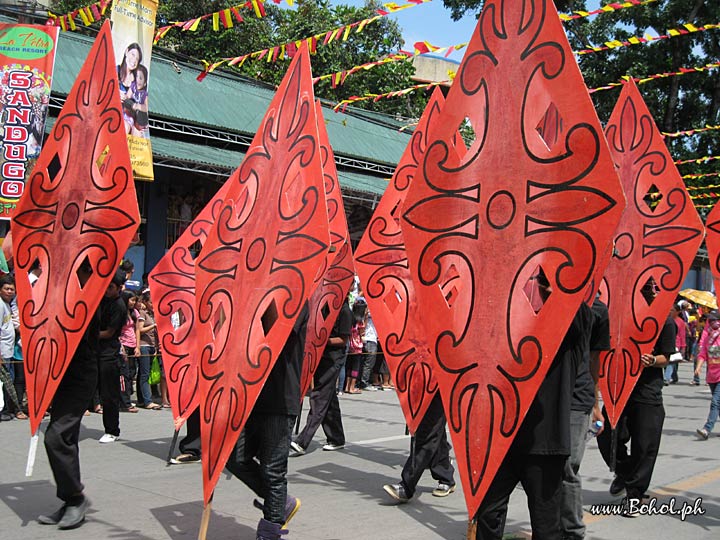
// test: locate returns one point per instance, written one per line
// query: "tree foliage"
(677, 103)
(280, 25)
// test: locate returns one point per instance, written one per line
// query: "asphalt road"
(135, 496)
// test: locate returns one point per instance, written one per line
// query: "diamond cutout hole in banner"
(649, 290)
(293, 192)
(652, 198)
(83, 272)
(536, 289)
(467, 131)
(269, 318)
(396, 213)
(103, 160)
(325, 311)
(219, 319)
(392, 299)
(450, 285)
(54, 167)
(550, 126)
(194, 249)
(178, 317)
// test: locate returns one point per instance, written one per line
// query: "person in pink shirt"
(710, 352)
(671, 371)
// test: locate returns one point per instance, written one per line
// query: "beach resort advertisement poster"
(132, 32)
(27, 58)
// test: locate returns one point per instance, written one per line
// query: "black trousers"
(430, 449)
(324, 404)
(260, 460)
(641, 425)
(63, 432)
(190, 444)
(541, 478)
(110, 393)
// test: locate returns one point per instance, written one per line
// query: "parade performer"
(260, 458)
(272, 232)
(113, 314)
(62, 435)
(76, 218)
(429, 449)
(640, 425)
(324, 403)
(536, 459)
(585, 407)
(535, 195)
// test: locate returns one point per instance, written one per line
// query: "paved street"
(135, 496)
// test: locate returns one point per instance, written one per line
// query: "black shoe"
(397, 492)
(54, 518)
(74, 515)
(617, 488)
(6, 417)
(630, 507)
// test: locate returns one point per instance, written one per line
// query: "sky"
(429, 22)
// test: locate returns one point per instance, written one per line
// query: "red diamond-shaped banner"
(535, 193)
(172, 282)
(336, 275)
(382, 265)
(79, 206)
(655, 245)
(254, 271)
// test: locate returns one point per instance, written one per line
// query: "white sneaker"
(330, 447)
(296, 449)
(108, 438)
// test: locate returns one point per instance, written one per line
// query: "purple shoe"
(292, 505)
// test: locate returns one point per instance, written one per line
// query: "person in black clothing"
(190, 444)
(61, 437)
(585, 404)
(640, 424)
(324, 404)
(260, 457)
(541, 447)
(429, 449)
(112, 318)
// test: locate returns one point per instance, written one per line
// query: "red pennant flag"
(79, 206)
(252, 275)
(655, 245)
(479, 228)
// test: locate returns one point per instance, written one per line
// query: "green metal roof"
(230, 103)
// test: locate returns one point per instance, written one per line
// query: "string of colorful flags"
(700, 175)
(87, 14)
(689, 132)
(287, 50)
(223, 17)
(424, 47)
(701, 188)
(673, 32)
(642, 80)
(421, 47)
(613, 6)
(698, 161)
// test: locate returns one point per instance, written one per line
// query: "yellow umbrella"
(704, 298)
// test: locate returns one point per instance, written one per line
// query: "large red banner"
(27, 57)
